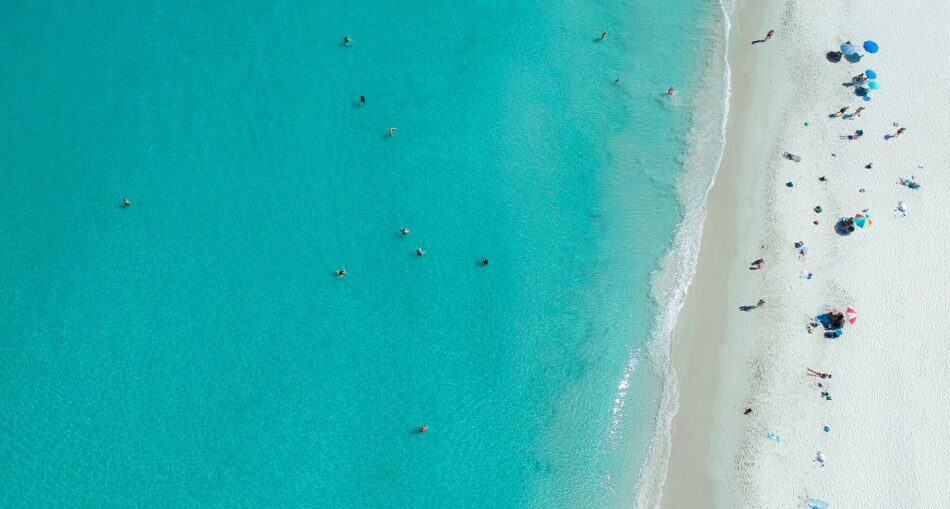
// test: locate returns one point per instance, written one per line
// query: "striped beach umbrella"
(852, 315)
(862, 220)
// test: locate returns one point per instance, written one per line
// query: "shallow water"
(196, 348)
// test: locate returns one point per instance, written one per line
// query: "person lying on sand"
(857, 134)
(911, 183)
(819, 374)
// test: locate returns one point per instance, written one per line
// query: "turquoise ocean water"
(195, 349)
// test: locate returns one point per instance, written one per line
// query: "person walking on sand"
(670, 91)
(857, 112)
(767, 37)
(899, 132)
(840, 112)
(760, 303)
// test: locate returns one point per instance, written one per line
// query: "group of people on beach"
(830, 319)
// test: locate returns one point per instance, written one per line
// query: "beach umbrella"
(870, 46)
(852, 315)
(849, 49)
(873, 85)
(862, 220)
(870, 74)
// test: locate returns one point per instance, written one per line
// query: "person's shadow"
(747, 308)
(759, 41)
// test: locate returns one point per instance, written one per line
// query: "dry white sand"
(891, 384)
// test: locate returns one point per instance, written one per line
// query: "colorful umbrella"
(862, 220)
(873, 85)
(870, 74)
(870, 46)
(852, 315)
(849, 49)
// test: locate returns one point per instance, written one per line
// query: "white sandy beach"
(890, 389)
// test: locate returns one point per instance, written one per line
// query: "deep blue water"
(195, 349)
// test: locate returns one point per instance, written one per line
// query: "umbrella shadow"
(853, 58)
(833, 56)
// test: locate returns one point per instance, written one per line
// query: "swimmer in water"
(126, 202)
(392, 131)
(603, 35)
(341, 273)
(404, 231)
(670, 91)
(420, 252)
(484, 261)
(362, 100)
(347, 40)
(424, 428)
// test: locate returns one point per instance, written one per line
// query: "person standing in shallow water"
(670, 91)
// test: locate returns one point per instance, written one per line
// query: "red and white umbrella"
(852, 315)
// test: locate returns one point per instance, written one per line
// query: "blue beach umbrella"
(872, 85)
(849, 49)
(870, 46)
(870, 74)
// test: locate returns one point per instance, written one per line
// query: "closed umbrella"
(870, 46)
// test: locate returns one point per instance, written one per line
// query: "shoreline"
(700, 332)
(725, 361)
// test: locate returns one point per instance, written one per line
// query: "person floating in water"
(603, 35)
(423, 428)
(404, 231)
(420, 252)
(484, 261)
(126, 202)
(392, 131)
(362, 100)
(670, 91)
(347, 40)
(341, 273)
